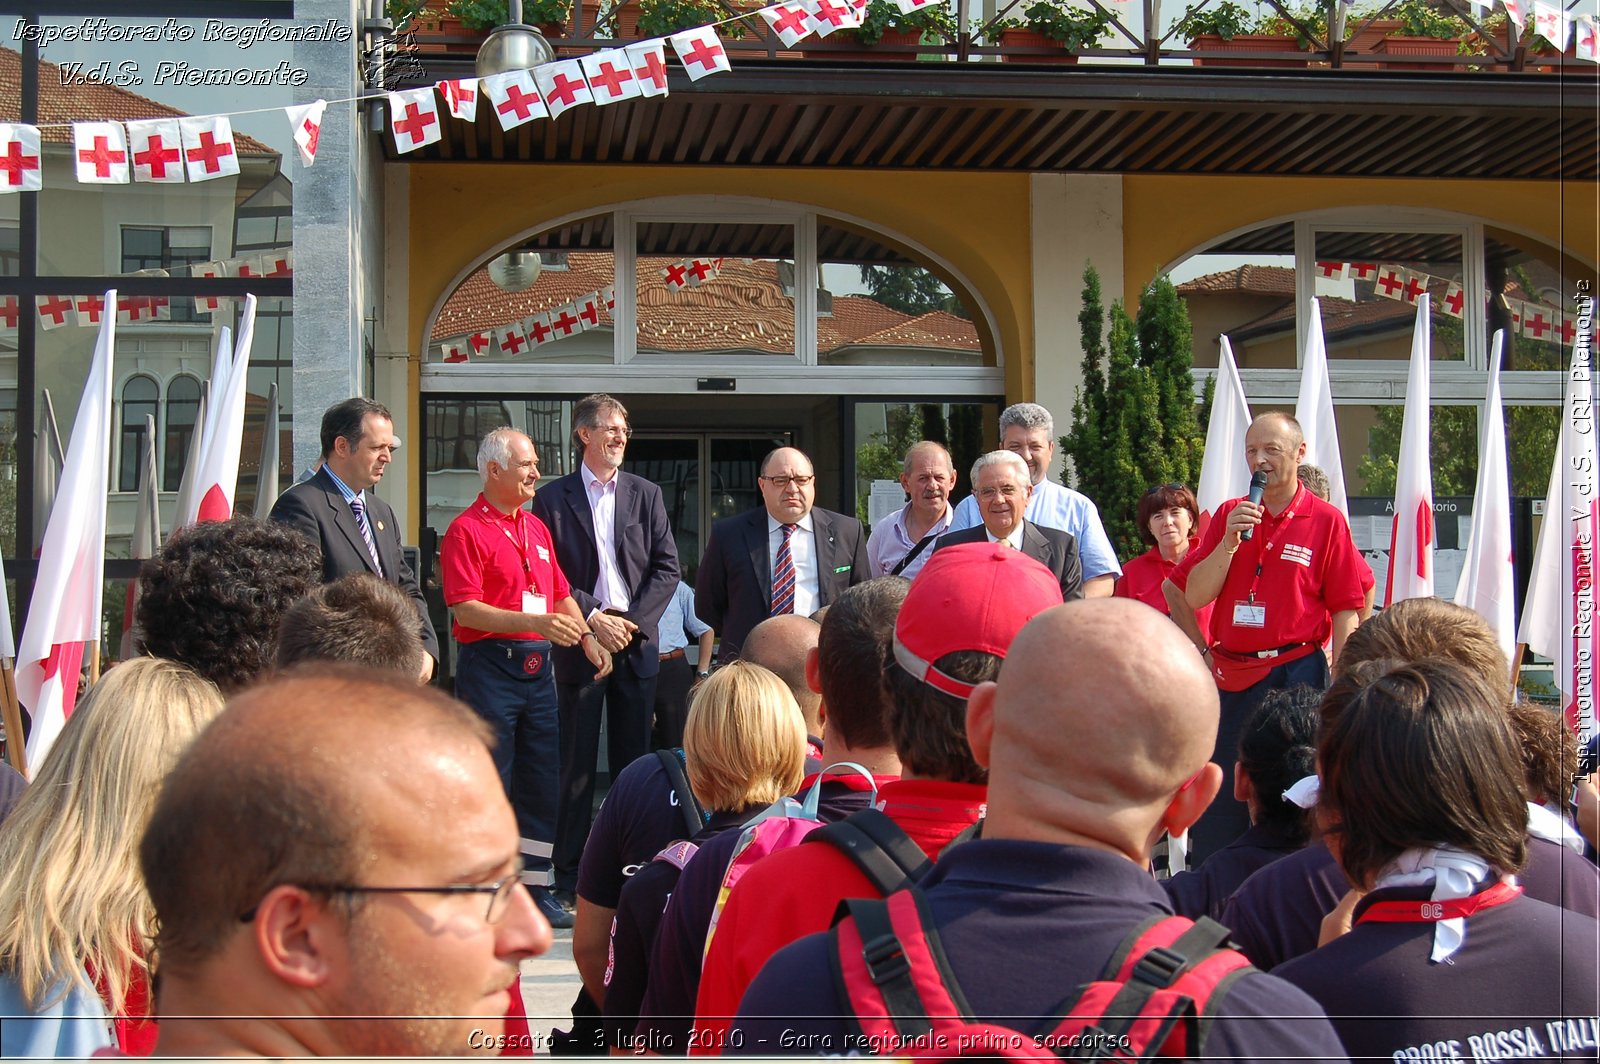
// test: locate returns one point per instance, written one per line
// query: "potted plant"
(885, 24)
(659, 18)
(1423, 31)
(1224, 26)
(1051, 32)
(550, 16)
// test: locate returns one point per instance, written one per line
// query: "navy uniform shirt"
(1023, 924)
(1206, 890)
(1523, 983)
(639, 817)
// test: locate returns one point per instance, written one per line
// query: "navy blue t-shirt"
(638, 819)
(1023, 924)
(1523, 983)
(1206, 890)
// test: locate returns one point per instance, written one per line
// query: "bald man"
(782, 645)
(790, 556)
(335, 873)
(1086, 770)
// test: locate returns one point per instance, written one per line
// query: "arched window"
(183, 407)
(140, 398)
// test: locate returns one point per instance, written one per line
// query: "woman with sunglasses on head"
(1169, 523)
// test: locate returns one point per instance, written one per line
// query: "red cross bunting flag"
(156, 150)
(1333, 271)
(208, 304)
(460, 98)
(453, 351)
(306, 121)
(1550, 22)
(10, 313)
(562, 86)
(608, 296)
(208, 147)
(830, 15)
(910, 6)
(589, 311)
(479, 342)
(509, 341)
(610, 76)
(1455, 298)
(564, 321)
(649, 61)
(538, 329)
(514, 98)
(700, 51)
(55, 311)
(414, 117)
(1586, 43)
(19, 158)
(677, 275)
(791, 22)
(100, 153)
(1516, 13)
(90, 309)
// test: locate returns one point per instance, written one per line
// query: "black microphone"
(1258, 488)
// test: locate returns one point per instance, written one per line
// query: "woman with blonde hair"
(75, 920)
(744, 747)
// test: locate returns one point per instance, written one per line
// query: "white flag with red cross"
(160, 307)
(514, 98)
(700, 51)
(210, 304)
(1567, 329)
(1332, 271)
(1390, 282)
(649, 61)
(677, 276)
(306, 122)
(909, 7)
(703, 270)
(538, 329)
(608, 296)
(1488, 585)
(55, 311)
(453, 351)
(278, 263)
(91, 309)
(791, 22)
(1454, 301)
(562, 86)
(827, 16)
(414, 118)
(1517, 14)
(1586, 41)
(1224, 471)
(1362, 271)
(132, 309)
(19, 158)
(610, 76)
(1550, 22)
(1514, 309)
(100, 153)
(1538, 321)
(589, 308)
(208, 148)
(222, 439)
(460, 97)
(564, 321)
(1314, 410)
(10, 313)
(1412, 538)
(1415, 288)
(480, 343)
(509, 340)
(156, 148)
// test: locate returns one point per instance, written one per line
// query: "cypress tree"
(1166, 347)
(1085, 442)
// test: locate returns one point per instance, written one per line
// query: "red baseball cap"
(970, 596)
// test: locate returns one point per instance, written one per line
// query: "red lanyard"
(1414, 912)
(1266, 548)
(527, 566)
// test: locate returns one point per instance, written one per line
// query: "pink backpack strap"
(894, 974)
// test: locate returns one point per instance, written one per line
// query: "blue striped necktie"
(360, 509)
(783, 576)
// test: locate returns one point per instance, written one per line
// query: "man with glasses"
(788, 557)
(334, 871)
(1001, 485)
(613, 543)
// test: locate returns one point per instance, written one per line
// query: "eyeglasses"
(782, 483)
(499, 892)
(625, 432)
(1157, 489)
(1007, 490)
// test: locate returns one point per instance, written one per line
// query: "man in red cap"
(964, 608)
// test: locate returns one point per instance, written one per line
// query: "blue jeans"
(511, 684)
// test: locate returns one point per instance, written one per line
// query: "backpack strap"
(891, 969)
(677, 855)
(879, 847)
(694, 818)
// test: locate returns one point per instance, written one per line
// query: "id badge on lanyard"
(533, 602)
(1249, 615)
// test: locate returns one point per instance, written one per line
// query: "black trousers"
(628, 701)
(1228, 818)
(672, 703)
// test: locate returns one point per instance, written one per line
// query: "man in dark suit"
(789, 557)
(337, 510)
(614, 545)
(1001, 485)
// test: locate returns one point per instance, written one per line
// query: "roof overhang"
(1085, 119)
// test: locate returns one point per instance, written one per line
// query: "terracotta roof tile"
(1256, 280)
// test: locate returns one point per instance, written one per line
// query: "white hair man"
(1001, 484)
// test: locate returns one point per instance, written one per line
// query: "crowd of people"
(912, 809)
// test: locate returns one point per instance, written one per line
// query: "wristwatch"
(702, 673)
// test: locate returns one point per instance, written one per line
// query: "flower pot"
(1245, 42)
(843, 45)
(1402, 46)
(437, 33)
(1031, 46)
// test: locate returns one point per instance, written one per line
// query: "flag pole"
(13, 720)
(1516, 667)
(94, 663)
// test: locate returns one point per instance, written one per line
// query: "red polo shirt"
(1142, 579)
(1310, 570)
(491, 557)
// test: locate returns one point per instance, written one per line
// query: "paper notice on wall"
(1372, 533)
(1447, 566)
(1378, 561)
(887, 496)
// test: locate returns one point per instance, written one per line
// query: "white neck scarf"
(1453, 874)
(1545, 823)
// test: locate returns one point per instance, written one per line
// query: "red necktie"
(783, 576)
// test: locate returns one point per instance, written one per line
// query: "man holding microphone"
(1284, 573)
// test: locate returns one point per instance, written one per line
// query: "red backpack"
(1155, 998)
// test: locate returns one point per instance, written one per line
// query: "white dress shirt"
(803, 554)
(608, 588)
(1014, 540)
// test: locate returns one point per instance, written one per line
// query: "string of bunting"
(201, 148)
(1536, 321)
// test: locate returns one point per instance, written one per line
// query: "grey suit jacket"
(1058, 551)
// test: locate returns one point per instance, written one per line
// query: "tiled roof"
(1255, 280)
(743, 307)
(60, 103)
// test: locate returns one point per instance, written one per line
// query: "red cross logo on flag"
(608, 296)
(1333, 271)
(649, 61)
(100, 152)
(1362, 271)
(207, 304)
(1454, 298)
(514, 97)
(19, 158)
(414, 117)
(539, 331)
(160, 308)
(208, 147)
(461, 99)
(1535, 322)
(1391, 282)
(132, 309)
(1550, 22)
(55, 311)
(700, 51)
(509, 341)
(610, 76)
(1416, 287)
(306, 121)
(1515, 13)
(10, 311)
(830, 15)
(589, 311)
(677, 275)
(453, 351)
(1566, 330)
(909, 6)
(89, 309)
(563, 86)
(155, 148)
(701, 271)
(1587, 43)
(564, 321)
(791, 22)
(1516, 308)
(479, 342)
